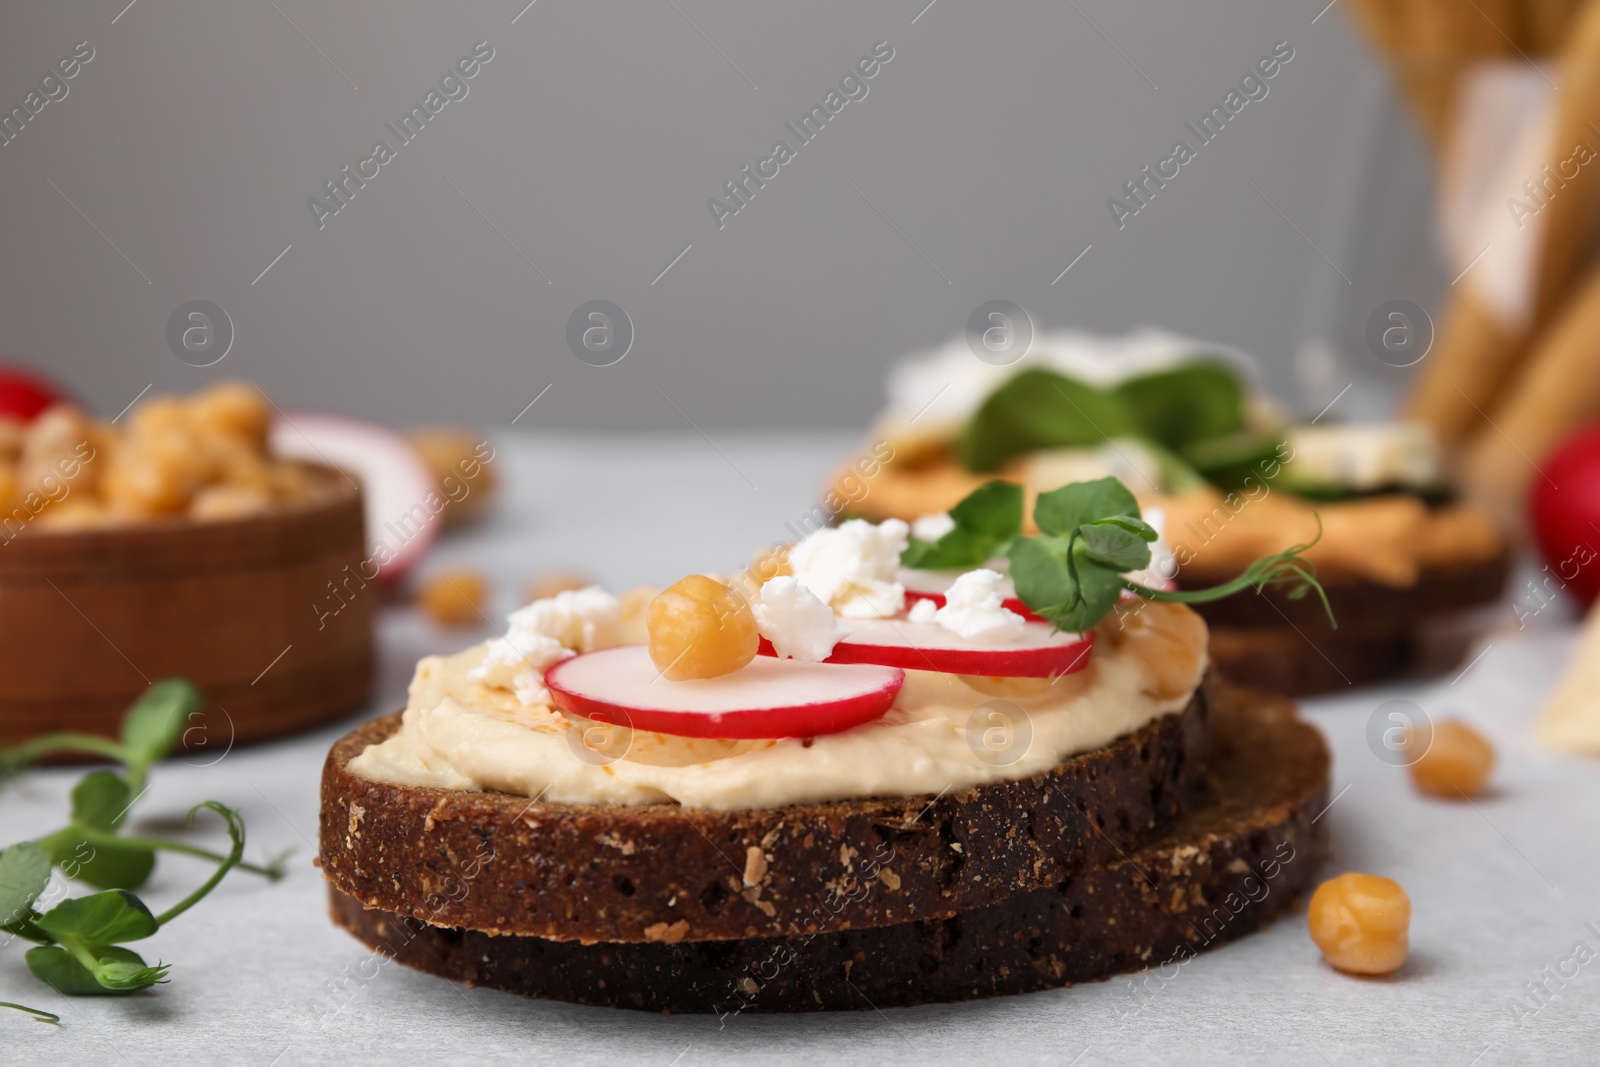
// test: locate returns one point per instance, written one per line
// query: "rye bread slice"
(1267, 641)
(1238, 859)
(507, 865)
(1281, 659)
(1362, 606)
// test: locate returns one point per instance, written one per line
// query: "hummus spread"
(944, 733)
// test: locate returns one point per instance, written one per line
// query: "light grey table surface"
(1501, 889)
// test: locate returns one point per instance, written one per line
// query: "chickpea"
(142, 482)
(219, 502)
(1361, 923)
(73, 514)
(230, 461)
(205, 457)
(1168, 639)
(699, 628)
(770, 563)
(232, 409)
(158, 416)
(290, 483)
(57, 450)
(466, 481)
(160, 464)
(454, 597)
(13, 436)
(1457, 761)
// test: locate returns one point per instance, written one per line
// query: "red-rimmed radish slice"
(933, 585)
(924, 646)
(404, 508)
(765, 698)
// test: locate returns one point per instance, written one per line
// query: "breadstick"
(1546, 24)
(1469, 364)
(1558, 391)
(1477, 354)
(1391, 26)
(1571, 210)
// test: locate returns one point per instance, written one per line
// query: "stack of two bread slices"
(1189, 832)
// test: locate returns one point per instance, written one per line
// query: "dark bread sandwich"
(901, 794)
(1241, 855)
(1183, 425)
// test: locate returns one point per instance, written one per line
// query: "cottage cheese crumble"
(544, 633)
(973, 609)
(852, 567)
(796, 621)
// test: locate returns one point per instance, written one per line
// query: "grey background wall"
(579, 164)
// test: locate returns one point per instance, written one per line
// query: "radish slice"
(404, 508)
(932, 585)
(765, 698)
(926, 646)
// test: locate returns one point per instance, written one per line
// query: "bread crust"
(1364, 607)
(657, 872)
(1287, 646)
(1238, 859)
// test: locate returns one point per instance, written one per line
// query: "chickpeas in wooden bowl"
(175, 544)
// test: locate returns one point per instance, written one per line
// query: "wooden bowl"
(245, 609)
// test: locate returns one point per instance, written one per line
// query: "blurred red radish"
(1565, 506)
(404, 508)
(24, 392)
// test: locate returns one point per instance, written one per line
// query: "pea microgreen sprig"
(149, 730)
(80, 942)
(1090, 537)
(986, 523)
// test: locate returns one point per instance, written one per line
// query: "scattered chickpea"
(770, 563)
(1168, 639)
(465, 479)
(454, 598)
(1361, 922)
(699, 628)
(1457, 762)
(547, 584)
